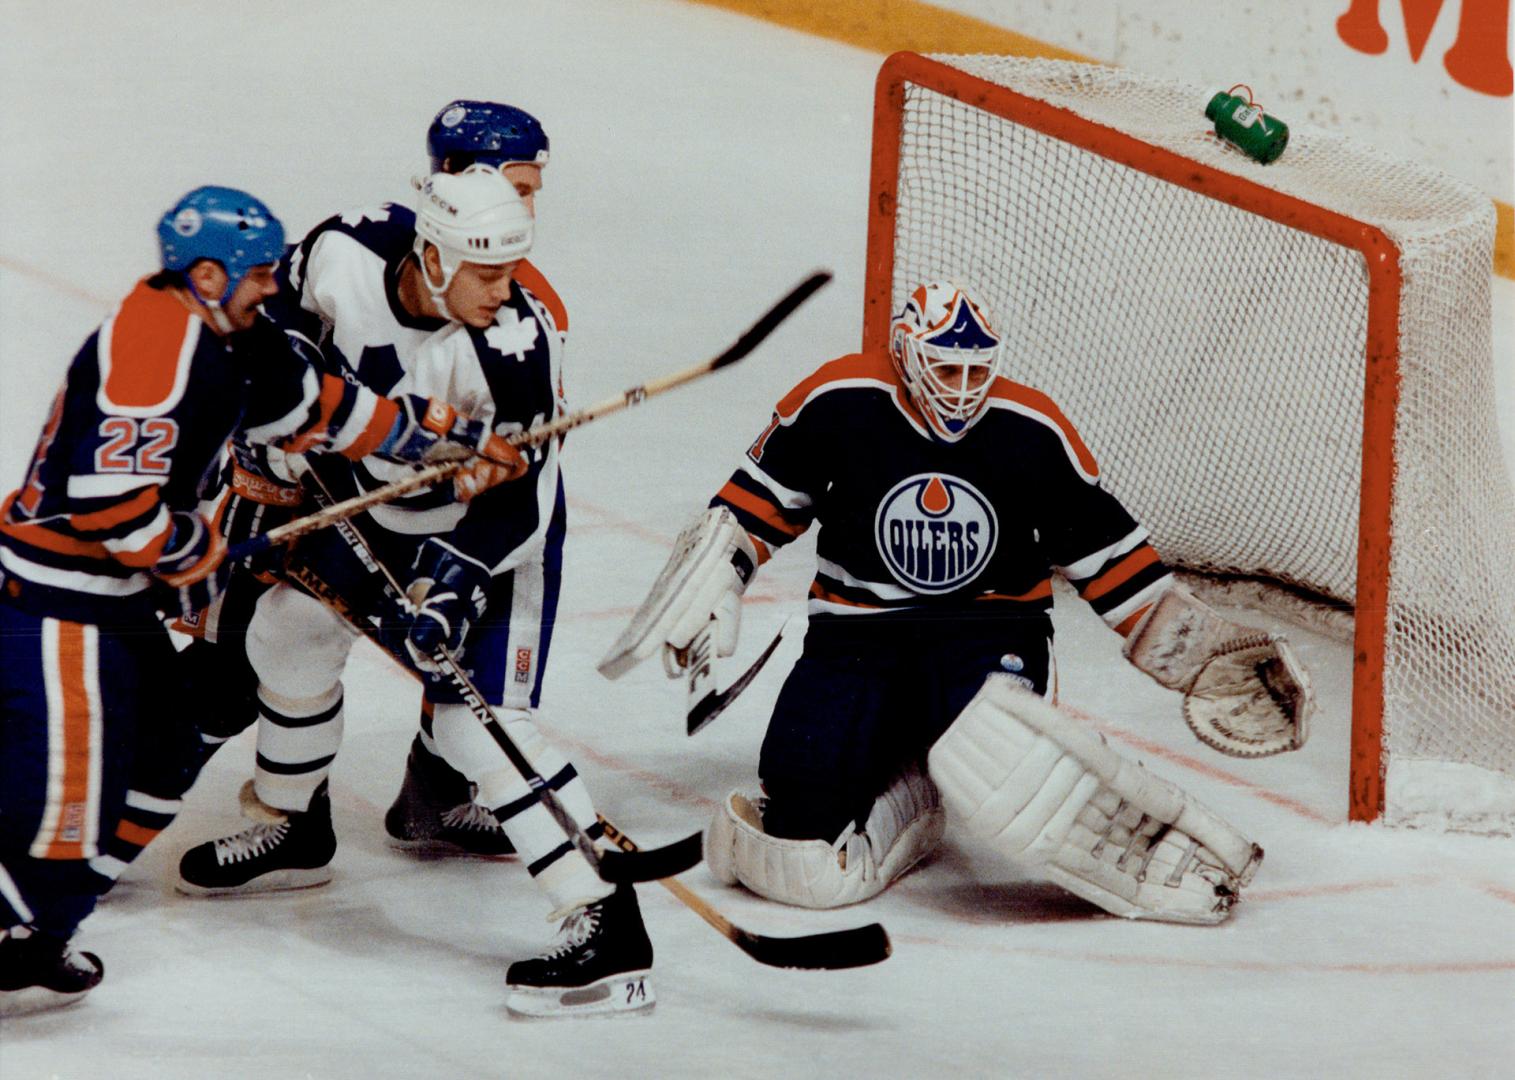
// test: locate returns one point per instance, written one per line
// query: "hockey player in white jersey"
(420, 300)
(927, 663)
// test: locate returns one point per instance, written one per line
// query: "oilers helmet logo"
(187, 221)
(936, 533)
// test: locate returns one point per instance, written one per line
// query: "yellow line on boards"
(886, 26)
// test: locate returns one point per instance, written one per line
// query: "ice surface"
(702, 163)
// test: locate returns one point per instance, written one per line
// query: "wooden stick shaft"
(536, 436)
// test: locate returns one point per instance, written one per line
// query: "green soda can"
(1244, 125)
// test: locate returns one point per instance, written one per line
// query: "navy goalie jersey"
(974, 528)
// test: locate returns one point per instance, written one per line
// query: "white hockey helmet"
(947, 354)
(473, 216)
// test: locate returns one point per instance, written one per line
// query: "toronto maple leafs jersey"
(342, 293)
(976, 527)
(137, 430)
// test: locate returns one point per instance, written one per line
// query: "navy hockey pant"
(867, 698)
(87, 714)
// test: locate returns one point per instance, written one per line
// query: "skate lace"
(577, 929)
(250, 842)
(470, 815)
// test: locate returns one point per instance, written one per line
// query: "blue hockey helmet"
(466, 133)
(228, 226)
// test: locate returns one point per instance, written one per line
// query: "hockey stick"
(706, 702)
(613, 866)
(541, 433)
(832, 950)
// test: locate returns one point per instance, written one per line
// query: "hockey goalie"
(948, 496)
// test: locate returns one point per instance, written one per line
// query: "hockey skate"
(434, 813)
(38, 971)
(293, 854)
(601, 963)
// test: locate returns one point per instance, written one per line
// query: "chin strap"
(436, 291)
(218, 317)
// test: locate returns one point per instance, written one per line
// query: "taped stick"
(541, 433)
(833, 950)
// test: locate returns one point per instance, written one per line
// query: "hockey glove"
(448, 593)
(193, 565)
(262, 496)
(427, 431)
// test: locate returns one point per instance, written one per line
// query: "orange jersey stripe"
(532, 278)
(379, 425)
(111, 516)
(1138, 560)
(831, 598)
(866, 365)
(1038, 402)
(133, 833)
(67, 840)
(760, 508)
(145, 342)
(1128, 624)
(332, 389)
(1040, 591)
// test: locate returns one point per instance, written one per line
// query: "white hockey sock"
(551, 857)
(298, 739)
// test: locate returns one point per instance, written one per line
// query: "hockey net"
(1285, 372)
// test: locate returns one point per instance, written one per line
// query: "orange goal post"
(1285, 371)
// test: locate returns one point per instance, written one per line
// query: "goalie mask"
(947, 354)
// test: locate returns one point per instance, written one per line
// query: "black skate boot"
(434, 813)
(294, 854)
(601, 963)
(39, 971)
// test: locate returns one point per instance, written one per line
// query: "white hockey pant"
(299, 647)
(551, 858)
(1025, 778)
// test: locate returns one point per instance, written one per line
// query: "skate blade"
(629, 992)
(433, 848)
(273, 882)
(35, 999)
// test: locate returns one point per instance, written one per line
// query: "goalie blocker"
(1020, 775)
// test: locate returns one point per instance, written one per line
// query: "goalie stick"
(705, 701)
(832, 950)
(616, 867)
(536, 436)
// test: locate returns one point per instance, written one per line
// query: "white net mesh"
(1215, 362)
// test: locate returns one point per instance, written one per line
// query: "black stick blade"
(834, 951)
(652, 864)
(769, 322)
(714, 703)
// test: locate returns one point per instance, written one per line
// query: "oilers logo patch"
(935, 532)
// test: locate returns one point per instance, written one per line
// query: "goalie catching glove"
(1019, 774)
(1245, 692)
(713, 560)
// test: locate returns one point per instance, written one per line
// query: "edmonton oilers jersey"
(976, 527)
(136, 433)
(343, 293)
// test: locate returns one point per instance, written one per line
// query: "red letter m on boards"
(1478, 59)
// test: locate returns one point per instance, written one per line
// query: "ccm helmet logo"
(936, 533)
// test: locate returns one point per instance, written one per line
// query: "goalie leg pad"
(903, 827)
(1025, 778)
(704, 578)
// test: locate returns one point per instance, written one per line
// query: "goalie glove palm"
(1251, 699)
